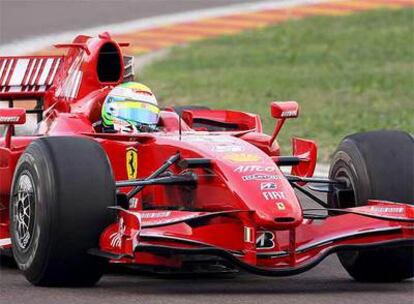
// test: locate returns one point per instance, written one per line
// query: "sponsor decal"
(255, 168)
(131, 158)
(242, 157)
(208, 139)
(387, 209)
(281, 206)
(116, 238)
(289, 113)
(259, 177)
(152, 215)
(228, 148)
(133, 203)
(273, 195)
(268, 186)
(265, 240)
(248, 235)
(9, 118)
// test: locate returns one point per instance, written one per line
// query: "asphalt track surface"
(326, 283)
(24, 18)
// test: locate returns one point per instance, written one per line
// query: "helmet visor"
(136, 112)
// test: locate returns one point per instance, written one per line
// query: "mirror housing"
(284, 109)
(281, 110)
(12, 116)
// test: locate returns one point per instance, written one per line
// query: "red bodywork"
(242, 209)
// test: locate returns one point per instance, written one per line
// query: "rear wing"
(24, 78)
(27, 77)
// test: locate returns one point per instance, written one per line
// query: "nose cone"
(254, 179)
(277, 208)
(265, 190)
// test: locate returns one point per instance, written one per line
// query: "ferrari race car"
(203, 193)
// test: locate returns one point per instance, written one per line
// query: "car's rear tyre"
(377, 165)
(61, 189)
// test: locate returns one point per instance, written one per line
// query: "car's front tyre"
(61, 189)
(376, 165)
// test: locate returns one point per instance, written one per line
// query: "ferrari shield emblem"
(132, 163)
(281, 206)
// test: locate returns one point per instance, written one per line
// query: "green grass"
(349, 74)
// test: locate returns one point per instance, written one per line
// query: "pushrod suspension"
(172, 160)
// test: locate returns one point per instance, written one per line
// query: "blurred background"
(349, 64)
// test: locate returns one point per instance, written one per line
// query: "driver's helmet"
(130, 107)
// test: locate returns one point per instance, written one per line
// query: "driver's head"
(130, 107)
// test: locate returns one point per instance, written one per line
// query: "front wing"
(165, 238)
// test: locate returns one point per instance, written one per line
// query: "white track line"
(34, 44)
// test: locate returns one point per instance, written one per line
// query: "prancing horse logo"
(132, 163)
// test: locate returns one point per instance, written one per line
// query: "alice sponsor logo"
(227, 148)
(208, 138)
(255, 168)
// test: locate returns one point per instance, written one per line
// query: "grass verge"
(349, 74)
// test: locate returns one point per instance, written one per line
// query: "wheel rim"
(24, 210)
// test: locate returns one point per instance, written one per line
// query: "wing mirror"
(282, 110)
(285, 109)
(12, 116)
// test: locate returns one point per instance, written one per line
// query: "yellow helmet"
(130, 106)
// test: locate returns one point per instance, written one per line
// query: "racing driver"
(130, 108)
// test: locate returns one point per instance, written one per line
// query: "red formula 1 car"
(203, 193)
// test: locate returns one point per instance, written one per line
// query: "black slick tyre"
(61, 189)
(377, 165)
